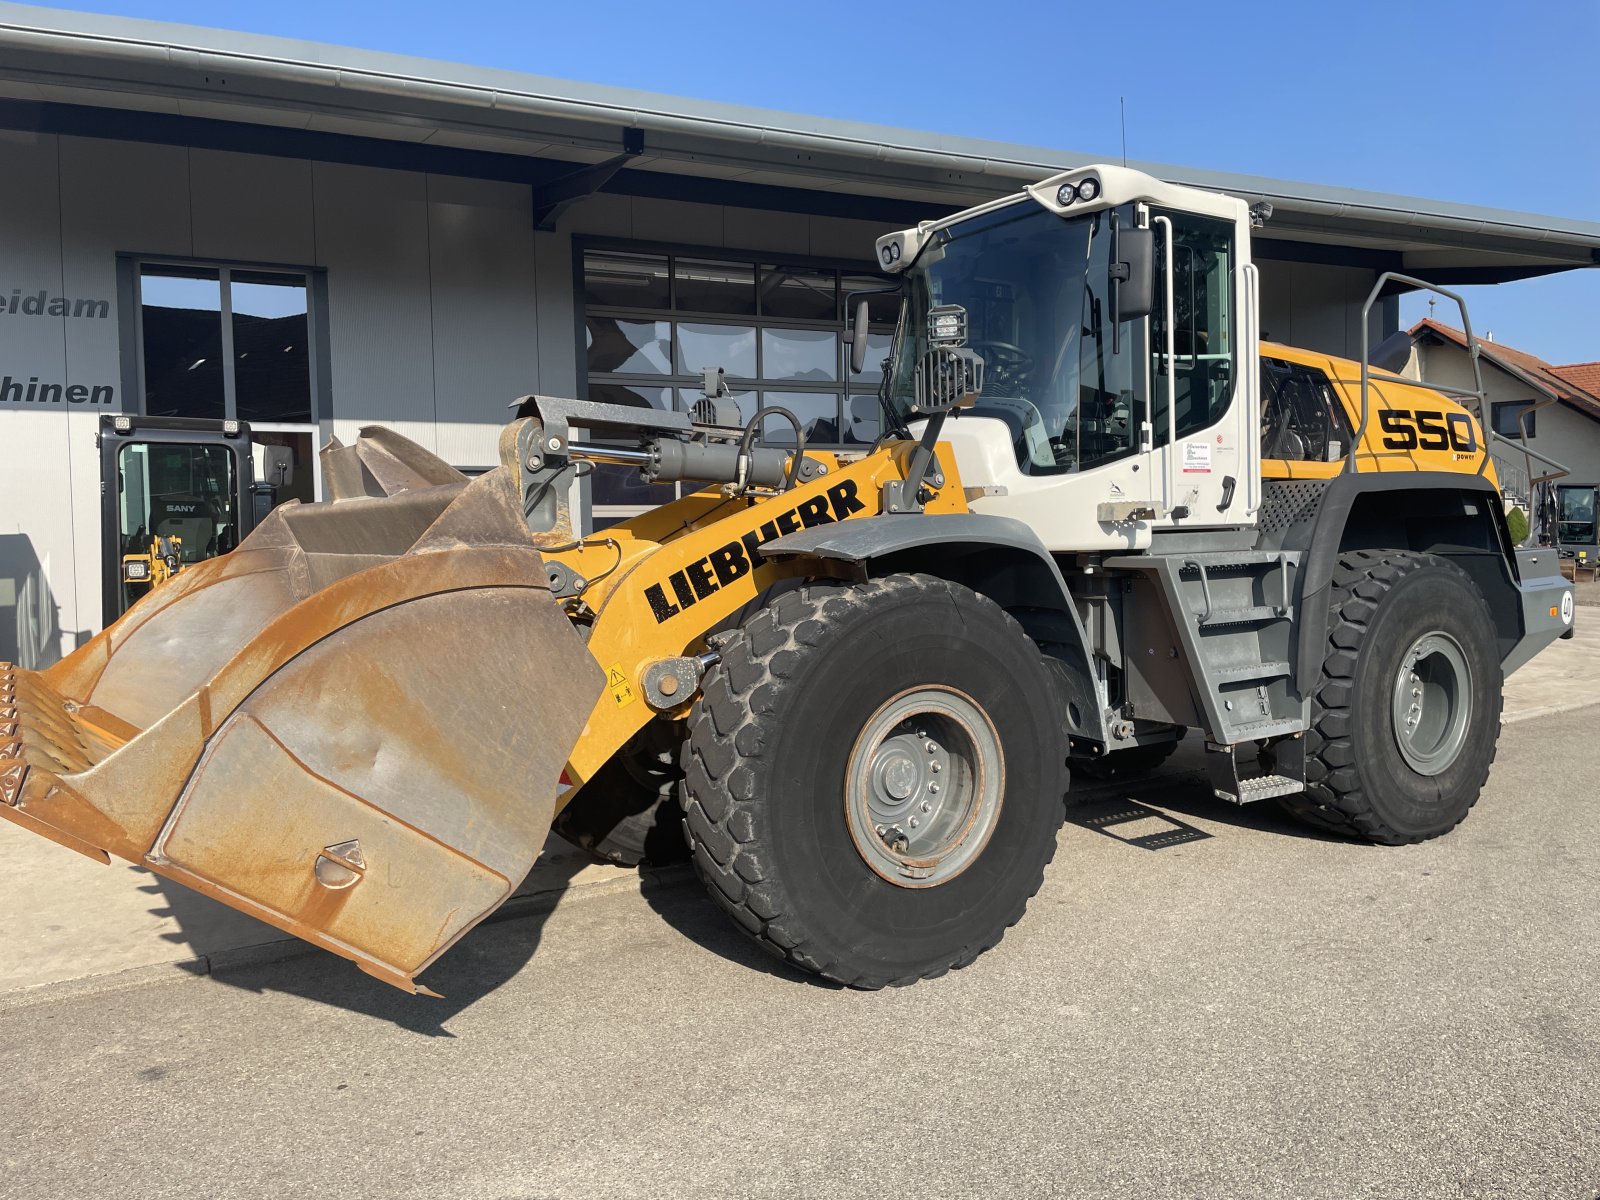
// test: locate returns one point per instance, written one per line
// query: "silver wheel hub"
(1432, 703)
(923, 786)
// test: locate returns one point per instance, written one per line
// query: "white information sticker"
(1197, 458)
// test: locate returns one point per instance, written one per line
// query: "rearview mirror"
(857, 337)
(1133, 274)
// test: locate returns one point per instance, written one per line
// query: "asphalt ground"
(1249, 1010)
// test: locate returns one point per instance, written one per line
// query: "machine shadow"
(245, 953)
(1144, 812)
(30, 616)
(680, 901)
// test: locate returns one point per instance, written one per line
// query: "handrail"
(1528, 453)
(1366, 366)
(1169, 489)
(1251, 354)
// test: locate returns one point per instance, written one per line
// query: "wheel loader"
(1101, 515)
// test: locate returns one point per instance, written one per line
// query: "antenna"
(1122, 107)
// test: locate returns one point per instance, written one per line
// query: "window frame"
(131, 305)
(130, 311)
(1514, 408)
(1156, 348)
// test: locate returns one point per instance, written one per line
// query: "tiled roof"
(1581, 375)
(1577, 385)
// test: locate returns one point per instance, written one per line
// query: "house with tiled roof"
(1559, 405)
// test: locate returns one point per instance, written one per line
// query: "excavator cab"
(176, 492)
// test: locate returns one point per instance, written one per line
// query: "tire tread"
(750, 687)
(1334, 800)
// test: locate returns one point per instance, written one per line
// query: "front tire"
(1407, 710)
(627, 815)
(873, 778)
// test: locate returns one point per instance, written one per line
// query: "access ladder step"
(1221, 560)
(1260, 670)
(1264, 727)
(1243, 616)
(1261, 787)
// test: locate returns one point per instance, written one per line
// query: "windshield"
(1577, 520)
(1036, 291)
(178, 490)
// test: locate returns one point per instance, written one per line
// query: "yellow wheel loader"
(1101, 515)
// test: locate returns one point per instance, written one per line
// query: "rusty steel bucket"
(352, 727)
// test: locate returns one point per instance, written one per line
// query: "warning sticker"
(621, 689)
(1197, 458)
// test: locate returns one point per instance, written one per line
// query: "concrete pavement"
(70, 918)
(1253, 1012)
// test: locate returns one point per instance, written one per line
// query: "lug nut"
(935, 767)
(926, 807)
(933, 789)
(932, 747)
(913, 822)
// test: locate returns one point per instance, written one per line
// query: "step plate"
(1262, 787)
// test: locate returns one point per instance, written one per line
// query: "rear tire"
(822, 724)
(1406, 713)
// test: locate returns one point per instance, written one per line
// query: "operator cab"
(170, 478)
(1103, 310)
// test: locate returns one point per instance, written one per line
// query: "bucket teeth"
(11, 779)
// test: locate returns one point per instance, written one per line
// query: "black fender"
(1456, 516)
(999, 557)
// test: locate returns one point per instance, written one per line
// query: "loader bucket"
(352, 727)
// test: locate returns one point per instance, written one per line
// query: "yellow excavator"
(158, 562)
(1100, 515)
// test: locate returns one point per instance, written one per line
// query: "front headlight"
(136, 571)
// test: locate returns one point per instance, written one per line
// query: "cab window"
(1203, 341)
(1301, 418)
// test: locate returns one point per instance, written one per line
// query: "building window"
(232, 343)
(1509, 421)
(654, 322)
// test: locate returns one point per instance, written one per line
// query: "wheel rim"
(1432, 702)
(923, 786)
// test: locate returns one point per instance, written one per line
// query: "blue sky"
(1478, 102)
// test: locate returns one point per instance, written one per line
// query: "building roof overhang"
(64, 69)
